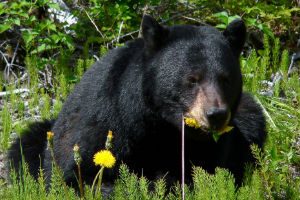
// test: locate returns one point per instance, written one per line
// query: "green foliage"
(63, 88)
(32, 69)
(41, 34)
(218, 186)
(280, 154)
(253, 190)
(57, 107)
(1, 82)
(46, 107)
(33, 189)
(79, 69)
(6, 127)
(225, 19)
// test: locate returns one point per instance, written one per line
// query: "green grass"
(275, 179)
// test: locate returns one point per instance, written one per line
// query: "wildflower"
(108, 143)
(78, 159)
(110, 135)
(104, 158)
(77, 156)
(50, 136)
(191, 122)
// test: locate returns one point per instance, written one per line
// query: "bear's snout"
(218, 118)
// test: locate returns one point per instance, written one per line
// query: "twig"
(195, 20)
(8, 66)
(7, 63)
(118, 38)
(93, 23)
(15, 53)
(21, 79)
(123, 36)
(3, 43)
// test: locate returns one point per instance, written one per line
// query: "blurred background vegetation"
(46, 46)
(56, 31)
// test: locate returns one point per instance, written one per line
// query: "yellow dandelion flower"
(50, 135)
(104, 158)
(191, 122)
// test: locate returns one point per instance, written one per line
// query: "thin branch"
(195, 20)
(121, 26)
(23, 77)
(3, 43)
(15, 53)
(93, 23)
(7, 63)
(122, 36)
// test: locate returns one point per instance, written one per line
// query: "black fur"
(140, 92)
(32, 146)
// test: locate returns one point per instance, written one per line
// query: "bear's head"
(193, 71)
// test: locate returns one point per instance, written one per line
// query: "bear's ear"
(235, 33)
(153, 33)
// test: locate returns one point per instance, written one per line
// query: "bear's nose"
(217, 117)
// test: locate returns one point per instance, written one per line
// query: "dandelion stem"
(95, 179)
(100, 181)
(80, 181)
(60, 173)
(182, 157)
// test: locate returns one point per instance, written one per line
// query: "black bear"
(141, 92)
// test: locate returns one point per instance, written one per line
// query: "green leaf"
(250, 21)
(53, 5)
(4, 27)
(42, 48)
(2, 8)
(267, 31)
(216, 136)
(28, 36)
(222, 16)
(231, 18)
(16, 21)
(221, 26)
(294, 9)
(55, 38)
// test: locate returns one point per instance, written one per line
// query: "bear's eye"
(193, 80)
